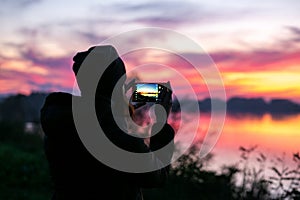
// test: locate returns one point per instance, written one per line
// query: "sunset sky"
(255, 44)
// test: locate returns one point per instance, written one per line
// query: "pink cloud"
(263, 60)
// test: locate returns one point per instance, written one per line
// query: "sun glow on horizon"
(277, 83)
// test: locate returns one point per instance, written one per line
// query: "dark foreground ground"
(24, 174)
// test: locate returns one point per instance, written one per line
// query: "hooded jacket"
(76, 174)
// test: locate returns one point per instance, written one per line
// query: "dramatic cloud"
(163, 13)
(174, 13)
(255, 47)
(32, 70)
(256, 60)
(47, 62)
(253, 60)
(255, 73)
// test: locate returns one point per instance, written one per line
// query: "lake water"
(274, 136)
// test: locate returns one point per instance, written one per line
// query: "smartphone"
(146, 92)
(151, 92)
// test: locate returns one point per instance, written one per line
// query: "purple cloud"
(91, 37)
(264, 59)
(170, 13)
(49, 62)
(8, 5)
(296, 33)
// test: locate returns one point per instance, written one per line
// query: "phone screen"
(146, 92)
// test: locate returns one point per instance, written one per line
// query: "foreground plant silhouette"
(254, 184)
(283, 184)
(248, 179)
(286, 180)
(190, 179)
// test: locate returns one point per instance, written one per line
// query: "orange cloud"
(262, 73)
(265, 73)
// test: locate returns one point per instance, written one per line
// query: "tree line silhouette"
(24, 108)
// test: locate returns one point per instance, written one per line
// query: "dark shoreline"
(24, 108)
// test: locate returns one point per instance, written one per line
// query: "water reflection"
(273, 134)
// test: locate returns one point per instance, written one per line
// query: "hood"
(100, 58)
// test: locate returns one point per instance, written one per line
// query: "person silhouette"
(76, 174)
